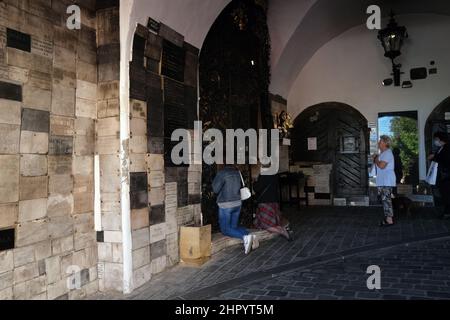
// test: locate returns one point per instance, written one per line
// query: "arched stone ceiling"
(324, 20)
(298, 28)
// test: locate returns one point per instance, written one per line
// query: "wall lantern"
(392, 38)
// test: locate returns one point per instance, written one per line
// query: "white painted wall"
(350, 68)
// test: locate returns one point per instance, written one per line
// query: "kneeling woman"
(268, 215)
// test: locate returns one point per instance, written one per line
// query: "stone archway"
(342, 138)
(234, 81)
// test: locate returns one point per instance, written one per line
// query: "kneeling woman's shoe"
(248, 242)
(255, 244)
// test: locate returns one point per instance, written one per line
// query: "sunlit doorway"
(402, 128)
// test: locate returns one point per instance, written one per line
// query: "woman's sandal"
(384, 223)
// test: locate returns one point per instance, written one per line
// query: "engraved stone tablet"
(59, 145)
(10, 91)
(35, 120)
(18, 40)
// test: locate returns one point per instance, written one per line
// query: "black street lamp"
(392, 38)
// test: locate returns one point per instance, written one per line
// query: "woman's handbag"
(245, 192)
(432, 174)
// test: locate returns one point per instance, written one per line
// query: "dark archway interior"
(342, 137)
(234, 82)
(437, 122)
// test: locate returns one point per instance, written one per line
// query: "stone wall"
(163, 93)
(48, 93)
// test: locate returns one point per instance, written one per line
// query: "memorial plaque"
(42, 47)
(139, 199)
(9, 138)
(100, 236)
(153, 80)
(59, 165)
(137, 82)
(153, 25)
(190, 102)
(138, 181)
(18, 40)
(138, 50)
(173, 92)
(155, 145)
(174, 118)
(155, 119)
(158, 249)
(7, 239)
(10, 91)
(183, 174)
(106, 4)
(194, 199)
(152, 65)
(157, 215)
(35, 120)
(173, 61)
(9, 177)
(109, 53)
(142, 31)
(60, 145)
(171, 35)
(153, 47)
(171, 175)
(191, 70)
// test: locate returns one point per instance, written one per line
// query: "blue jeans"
(228, 222)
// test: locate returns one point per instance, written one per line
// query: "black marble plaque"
(105, 4)
(153, 47)
(59, 145)
(182, 194)
(174, 118)
(138, 181)
(35, 120)
(183, 175)
(109, 53)
(10, 91)
(139, 199)
(155, 145)
(153, 80)
(171, 174)
(18, 40)
(138, 50)
(153, 25)
(190, 102)
(157, 215)
(100, 236)
(173, 61)
(158, 249)
(173, 92)
(152, 65)
(322, 196)
(7, 239)
(155, 113)
(194, 199)
(137, 82)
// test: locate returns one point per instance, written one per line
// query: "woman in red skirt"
(268, 216)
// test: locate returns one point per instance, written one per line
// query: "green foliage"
(405, 137)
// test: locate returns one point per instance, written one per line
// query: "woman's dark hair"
(441, 136)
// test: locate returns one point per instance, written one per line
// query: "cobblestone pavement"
(328, 259)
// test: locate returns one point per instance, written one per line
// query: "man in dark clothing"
(442, 157)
